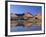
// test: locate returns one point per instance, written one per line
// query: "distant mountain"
(30, 19)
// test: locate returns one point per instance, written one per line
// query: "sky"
(20, 9)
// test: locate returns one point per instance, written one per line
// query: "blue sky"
(20, 9)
